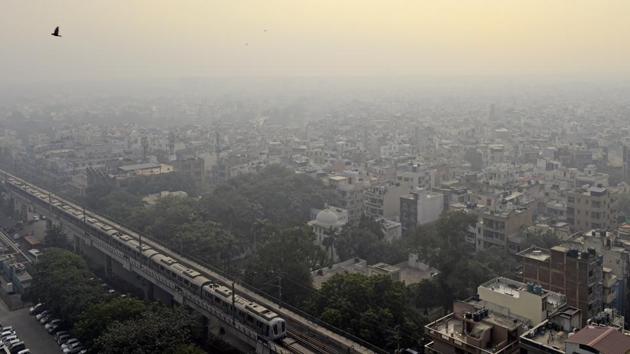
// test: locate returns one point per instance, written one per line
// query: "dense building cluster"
(527, 168)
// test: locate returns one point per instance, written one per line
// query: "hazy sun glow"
(157, 38)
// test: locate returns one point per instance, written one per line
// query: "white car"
(7, 333)
(41, 314)
(35, 308)
(54, 322)
(69, 342)
(8, 339)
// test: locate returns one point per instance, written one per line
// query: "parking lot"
(29, 330)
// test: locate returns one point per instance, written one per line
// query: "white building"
(327, 223)
(528, 301)
(419, 208)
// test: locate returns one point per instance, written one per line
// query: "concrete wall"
(526, 305)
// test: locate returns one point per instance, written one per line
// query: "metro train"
(267, 324)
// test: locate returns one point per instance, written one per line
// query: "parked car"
(60, 333)
(74, 350)
(69, 342)
(12, 343)
(8, 339)
(41, 314)
(45, 319)
(17, 347)
(7, 333)
(62, 339)
(35, 309)
(52, 322)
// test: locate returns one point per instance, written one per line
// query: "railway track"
(337, 343)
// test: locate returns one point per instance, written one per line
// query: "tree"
(55, 237)
(62, 280)
(120, 204)
(367, 241)
(285, 261)
(276, 194)
(207, 241)
(365, 305)
(98, 317)
(540, 238)
(162, 330)
(187, 349)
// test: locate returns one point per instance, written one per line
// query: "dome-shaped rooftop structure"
(327, 217)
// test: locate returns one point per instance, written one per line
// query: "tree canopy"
(98, 317)
(285, 260)
(62, 280)
(161, 330)
(104, 323)
(366, 306)
(55, 236)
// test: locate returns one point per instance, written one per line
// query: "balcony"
(609, 281)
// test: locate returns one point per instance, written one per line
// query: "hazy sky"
(159, 38)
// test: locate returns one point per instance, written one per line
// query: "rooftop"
(535, 253)
(139, 166)
(352, 265)
(385, 267)
(505, 286)
(607, 340)
(451, 328)
(554, 332)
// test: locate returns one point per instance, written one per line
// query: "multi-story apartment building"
(590, 208)
(383, 200)
(350, 189)
(530, 302)
(473, 329)
(418, 208)
(574, 273)
(497, 227)
(616, 267)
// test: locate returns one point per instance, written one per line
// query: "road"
(29, 330)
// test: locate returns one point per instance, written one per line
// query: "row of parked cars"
(54, 326)
(11, 343)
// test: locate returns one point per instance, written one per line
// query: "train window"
(283, 328)
(266, 331)
(250, 318)
(275, 329)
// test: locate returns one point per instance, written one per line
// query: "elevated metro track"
(303, 335)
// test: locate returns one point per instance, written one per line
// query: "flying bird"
(56, 32)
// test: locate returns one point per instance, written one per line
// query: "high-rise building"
(574, 273)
